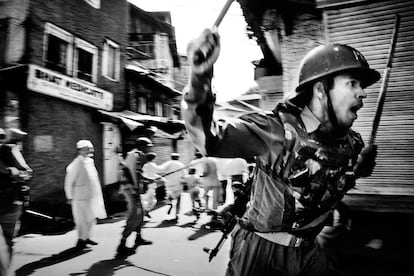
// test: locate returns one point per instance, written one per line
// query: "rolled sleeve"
(253, 134)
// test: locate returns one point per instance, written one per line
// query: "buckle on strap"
(282, 238)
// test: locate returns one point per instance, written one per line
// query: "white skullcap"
(84, 144)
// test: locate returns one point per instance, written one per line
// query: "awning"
(134, 66)
(131, 124)
(134, 120)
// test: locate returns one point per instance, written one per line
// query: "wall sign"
(51, 83)
(43, 143)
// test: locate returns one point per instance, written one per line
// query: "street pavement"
(177, 249)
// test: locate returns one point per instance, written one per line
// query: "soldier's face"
(347, 98)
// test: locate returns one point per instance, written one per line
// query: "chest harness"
(317, 174)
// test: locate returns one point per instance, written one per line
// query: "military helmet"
(327, 60)
(144, 142)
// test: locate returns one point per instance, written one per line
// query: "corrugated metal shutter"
(368, 27)
(163, 147)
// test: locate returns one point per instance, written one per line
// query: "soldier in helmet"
(307, 155)
(132, 168)
(14, 190)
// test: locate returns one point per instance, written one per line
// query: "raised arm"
(248, 136)
(198, 99)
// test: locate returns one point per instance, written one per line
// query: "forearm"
(197, 109)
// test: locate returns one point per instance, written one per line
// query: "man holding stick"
(132, 169)
(307, 155)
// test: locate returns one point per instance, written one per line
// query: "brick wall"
(54, 127)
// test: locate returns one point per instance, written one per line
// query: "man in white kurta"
(151, 172)
(83, 192)
(173, 180)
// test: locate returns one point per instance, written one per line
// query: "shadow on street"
(109, 267)
(67, 254)
(200, 233)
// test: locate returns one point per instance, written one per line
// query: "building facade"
(60, 63)
(154, 80)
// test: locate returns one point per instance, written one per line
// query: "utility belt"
(280, 238)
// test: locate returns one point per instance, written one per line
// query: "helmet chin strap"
(337, 130)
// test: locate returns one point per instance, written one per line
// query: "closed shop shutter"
(368, 26)
(163, 149)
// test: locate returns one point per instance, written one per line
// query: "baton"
(52, 218)
(381, 96)
(222, 13)
(200, 56)
(177, 170)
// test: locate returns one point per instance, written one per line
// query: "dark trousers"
(236, 177)
(10, 223)
(223, 184)
(251, 255)
(135, 217)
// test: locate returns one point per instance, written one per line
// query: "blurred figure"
(191, 185)
(210, 183)
(197, 163)
(133, 164)
(235, 169)
(175, 173)
(150, 172)
(238, 170)
(14, 173)
(223, 178)
(83, 192)
(4, 255)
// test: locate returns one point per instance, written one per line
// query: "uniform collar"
(309, 120)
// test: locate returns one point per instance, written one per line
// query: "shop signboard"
(57, 85)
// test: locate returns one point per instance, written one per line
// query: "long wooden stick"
(384, 84)
(201, 56)
(223, 13)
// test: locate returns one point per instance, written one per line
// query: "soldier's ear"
(319, 90)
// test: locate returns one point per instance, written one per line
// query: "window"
(69, 55)
(176, 113)
(56, 58)
(158, 108)
(150, 106)
(111, 60)
(142, 105)
(86, 60)
(166, 110)
(58, 50)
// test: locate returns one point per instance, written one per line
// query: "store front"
(56, 111)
